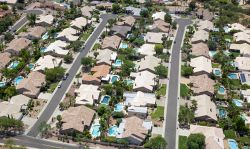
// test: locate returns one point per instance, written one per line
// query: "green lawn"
(162, 90)
(158, 113)
(245, 140)
(96, 46)
(86, 34)
(52, 87)
(230, 134)
(184, 90)
(182, 142)
(215, 65)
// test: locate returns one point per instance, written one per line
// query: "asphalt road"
(171, 119)
(54, 102)
(23, 20)
(40, 143)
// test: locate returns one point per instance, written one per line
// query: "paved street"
(173, 86)
(23, 20)
(72, 72)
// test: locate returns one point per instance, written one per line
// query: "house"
(245, 77)
(77, 119)
(236, 27)
(126, 21)
(52, 5)
(204, 14)
(205, 25)
(48, 62)
(213, 136)
(45, 20)
(105, 5)
(147, 49)
(245, 93)
(105, 56)
(4, 59)
(121, 31)
(87, 94)
(133, 11)
(31, 85)
(243, 63)
(111, 42)
(201, 65)
(68, 34)
(159, 15)
(140, 112)
(144, 81)
(244, 49)
(98, 72)
(177, 9)
(10, 2)
(202, 84)
(15, 107)
(242, 37)
(16, 45)
(4, 13)
(206, 109)
(160, 26)
(80, 23)
(200, 36)
(33, 33)
(152, 37)
(148, 63)
(57, 48)
(139, 99)
(200, 49)
(87, 11)
(134, 130)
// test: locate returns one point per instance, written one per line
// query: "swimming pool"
(95, 129)
(222, 113)
(113, 131)
(13, 64)
(129, 82)
(2, 84)
(114, 78)
(118, 63)
(217, 72)
(18, 79)
(238, 103)
(232, 144)
(31, 66)
(118, 107)
(105, 99)
(233, 76)
(221, 90)
(43, 49)
(123, 45)
(45, 36)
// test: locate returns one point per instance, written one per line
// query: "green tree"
(159, 49)
(10, 91)
(54, 74)
(32, 18)
(25, 54)
(168, 18)
(8, 37)
(68, 59)
(116, 8)
(87, 62)
(186, 70)
(127, 67)
(196, 141)
(44, 129)
(185, 115)
(144, 13)
(9, 125)
(103, 111)
(192, 5)
(211, 45)
(156, 143)
(161, 71)
(76, 45)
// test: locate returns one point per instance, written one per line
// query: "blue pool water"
(2, 84)
(43, 49)
(232, 76)
(232, 144)
(114, 78)
(112, 131)
(118, 63)
(222, 113)
(129, 82)
(123, 45)
(217, 72)
(118, 107)
(31, 66)
(238, 103)
(18, 79)
(96, 130)
(45, 36)
(13, 64)
(221, 90)
(105, 100)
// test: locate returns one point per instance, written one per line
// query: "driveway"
(173, 86)
(59, 93)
